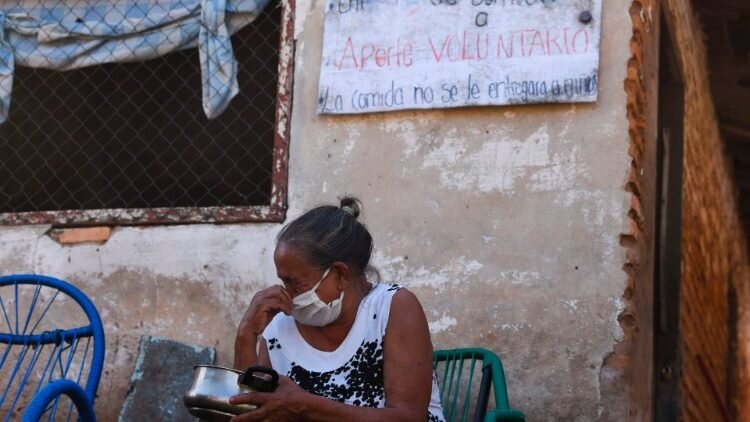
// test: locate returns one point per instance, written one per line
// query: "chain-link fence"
(135, 135)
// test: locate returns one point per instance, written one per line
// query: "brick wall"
(633, 356)
(713, 250)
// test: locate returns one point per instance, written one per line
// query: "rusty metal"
(145, 216)
(283, 127)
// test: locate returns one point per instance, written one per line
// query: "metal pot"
(208, 397)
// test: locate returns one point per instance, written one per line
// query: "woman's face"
(298, 276)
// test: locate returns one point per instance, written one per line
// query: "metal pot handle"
(259, 383)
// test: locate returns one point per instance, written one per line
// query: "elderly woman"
(351, 350)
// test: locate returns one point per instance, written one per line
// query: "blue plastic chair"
(54, 347)
(459, 371)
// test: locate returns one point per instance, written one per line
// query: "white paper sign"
(384, 55)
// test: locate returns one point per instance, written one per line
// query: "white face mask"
(308, 309)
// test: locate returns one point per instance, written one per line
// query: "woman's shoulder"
(403, 297)
(388, 289)
(395, 290)
(407, 313)
(387, 297)
(382, 294)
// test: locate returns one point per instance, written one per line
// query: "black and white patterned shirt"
(351, 374)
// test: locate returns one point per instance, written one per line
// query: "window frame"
(275, 211)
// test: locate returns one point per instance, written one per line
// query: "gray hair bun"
(351, 206)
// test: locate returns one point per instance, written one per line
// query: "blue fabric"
(6, 71)
(69, 34)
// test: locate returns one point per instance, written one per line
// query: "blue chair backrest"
(49, 330)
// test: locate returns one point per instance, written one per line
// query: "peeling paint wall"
(505, 222)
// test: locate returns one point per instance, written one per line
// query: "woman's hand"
(264, 306)
(282, 405)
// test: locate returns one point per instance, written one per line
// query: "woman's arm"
(245, 354)
(407, 375)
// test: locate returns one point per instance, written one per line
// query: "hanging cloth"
(69, 34)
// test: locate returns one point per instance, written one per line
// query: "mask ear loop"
(315, 287)
(325, 274)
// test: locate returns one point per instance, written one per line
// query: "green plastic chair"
(458, 372)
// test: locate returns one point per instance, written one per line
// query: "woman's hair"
(329, 234)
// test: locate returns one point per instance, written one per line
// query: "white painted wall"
(504, 221)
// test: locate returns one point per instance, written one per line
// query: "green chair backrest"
(467, 376)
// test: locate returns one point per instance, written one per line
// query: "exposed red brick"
(713, 247)
(631, 357)
(81, 235)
